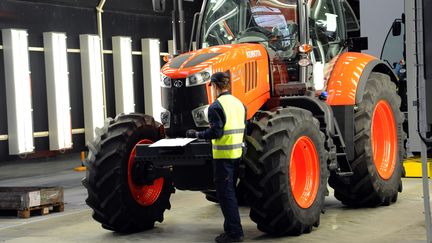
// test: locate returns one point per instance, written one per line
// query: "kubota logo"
(254, 53)
(178, 83)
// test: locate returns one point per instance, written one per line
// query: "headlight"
(198, 78)
(200, 116)
(165, 117)
(165, 81)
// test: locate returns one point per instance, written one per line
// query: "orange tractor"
(317, 114)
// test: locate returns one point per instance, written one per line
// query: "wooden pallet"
(27, 201)
(40, 210)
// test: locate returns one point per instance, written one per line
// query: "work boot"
(225, 238)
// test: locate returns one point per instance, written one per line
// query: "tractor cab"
(272, 24)
(278, 26)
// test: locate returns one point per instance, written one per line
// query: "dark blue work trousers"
(225, 176)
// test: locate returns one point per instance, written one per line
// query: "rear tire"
(275, 203)
(110, 194)
(372, 186)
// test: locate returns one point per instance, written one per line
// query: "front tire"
(117, 203)
(286, 171)
(379, 148)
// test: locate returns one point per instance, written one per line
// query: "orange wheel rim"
(384, 140)
(304, 172)
(145, 195)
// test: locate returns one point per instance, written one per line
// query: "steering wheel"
(216, 34)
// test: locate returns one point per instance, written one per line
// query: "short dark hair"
(225, 85)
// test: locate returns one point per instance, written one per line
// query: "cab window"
(325, 29)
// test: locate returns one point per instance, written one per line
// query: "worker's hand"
(191, 133)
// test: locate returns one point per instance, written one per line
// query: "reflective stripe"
(227, 147)
(233, 131)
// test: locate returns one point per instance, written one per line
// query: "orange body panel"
(345, 77)
(248, 66)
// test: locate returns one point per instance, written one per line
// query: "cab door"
(278, 20)
(327, 33)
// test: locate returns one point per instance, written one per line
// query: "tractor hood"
(185, 92)
(216, 58)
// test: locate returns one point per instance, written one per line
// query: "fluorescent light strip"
(123, 74)
(18, 91)
(92, 85)
(151, 73)
(57, 84)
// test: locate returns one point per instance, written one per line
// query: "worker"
(227, 117)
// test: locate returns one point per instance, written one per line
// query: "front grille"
(180, 101)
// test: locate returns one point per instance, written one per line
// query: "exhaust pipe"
(181, 26)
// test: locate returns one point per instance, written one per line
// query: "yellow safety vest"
(229, 146)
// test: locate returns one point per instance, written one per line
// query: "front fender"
(349, 77)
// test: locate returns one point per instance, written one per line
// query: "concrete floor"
(192, 218)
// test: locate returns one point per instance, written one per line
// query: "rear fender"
(348, 79)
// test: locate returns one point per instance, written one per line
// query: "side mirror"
(159, 6)
(397, 28)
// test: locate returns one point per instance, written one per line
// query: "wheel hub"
(143, 194)
(384, 139)
(304, 172)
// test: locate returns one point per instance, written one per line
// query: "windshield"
(238, 21)
(273, 23)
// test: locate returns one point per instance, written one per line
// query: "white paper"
(331, 22)
(318, 71)
(172, 142)
(34, 199)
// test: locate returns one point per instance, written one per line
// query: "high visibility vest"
(229, 146)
